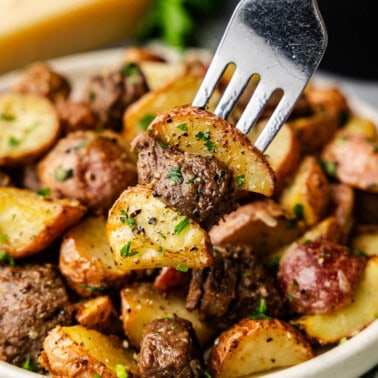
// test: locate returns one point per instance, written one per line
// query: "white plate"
(348, 360)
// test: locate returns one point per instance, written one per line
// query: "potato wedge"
(354, 161)
(29, 223)
(283, 154)
(253, 346)
(144, 232)
(209, 135)
(308, 195)
(262, 224)
(29, 126)
(86, 260)
(360, 127)
(141, 304)
(365, 239)
(98, 313)
(348, 321)
(180, 91)
(79, 352)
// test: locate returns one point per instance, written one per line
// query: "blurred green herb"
(174, 21)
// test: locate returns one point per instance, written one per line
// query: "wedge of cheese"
(40, 29)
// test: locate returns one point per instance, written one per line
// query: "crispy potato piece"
(327, 98)
(262, 224)
(209, 135)
(79, 352)
(253, 346)
(29, 126)
(365, 239)
(144, 232)
(180, 91)
(360, 127)
(315, 131)
(86, 260)
(354, 160)
(283, 154)
(99, 314)
(30, 223)
(346, 322)
(141, 304)
(308, 195)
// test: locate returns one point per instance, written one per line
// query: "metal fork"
(283, 42)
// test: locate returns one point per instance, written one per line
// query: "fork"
(281, 41)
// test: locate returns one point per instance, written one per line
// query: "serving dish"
(350, 359)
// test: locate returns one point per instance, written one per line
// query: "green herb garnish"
(7, 117)
(273, 262)
(44, 192)
(358, 252)
(194, 180)
(3, 238)
(145, 121)
(181, 226)
(210, 146)
(330, 168)
(260, 311)
(161, 144)
(342, 341)
(298, 211)
(28, 365)
(62, 174)
(13, 142)
(240, 180)
(91, 96)
(121, 371)
(4, 257)
(129, 69)
(182, 268)
(126, 252)
(183, 127)
(175, 175)
(203, 136)
(94, 289)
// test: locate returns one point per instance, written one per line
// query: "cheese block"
(41, 29)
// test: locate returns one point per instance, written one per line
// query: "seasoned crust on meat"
(90, 167)
(41, 80)
(169, 348)
(233, 287)
(197, 186)
(33, 300)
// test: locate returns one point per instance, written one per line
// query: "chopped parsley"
(131, 222)
(298, 211)
(121, 371)
(260, 311)
(4, 257)
(145, 121)
(194, 180)
(343, 341)
(91, 96)
(175, 175)
(273, 262)
(240, 180)
(126, 252)
(210, 146)
(28, 364)
(161, 144)
(163, 235)
(203, 136)
(97, 375)
(183, 127)
(125, 218)
(93, 289)
(181, 226)
(247, 275)
(62, 174)
(13, 142)
(206, 374)
(129, 69)
(3, 238)
(44, 192)
(360, 253)
(375, 149)
(330, 168)
(182, 268)
(7, 117)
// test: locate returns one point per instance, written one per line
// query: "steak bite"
(169, 348)
(33, 300)
(108, 94)
(233, 288)
(201, 188)
(319, 276)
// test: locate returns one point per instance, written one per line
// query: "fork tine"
(275, 122)
(232, 93)
(254, 108)
(209, 83)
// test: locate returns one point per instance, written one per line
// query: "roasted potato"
(354, 161)
(307, 197)
(88, 166)
(179, 91)
(208, 135)
(142, 303)
(29, 223)
(319, 276)
(79, 352)
(360, 127)
(86, 260)
(283, 154)
(365, 239)
(98, 313)
(29, 126)
(346, 322)
(144, 232)
(253, 346)
(327, 98)
(262, 224)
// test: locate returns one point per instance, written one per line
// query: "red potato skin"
(319, 276)
(170, 279)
